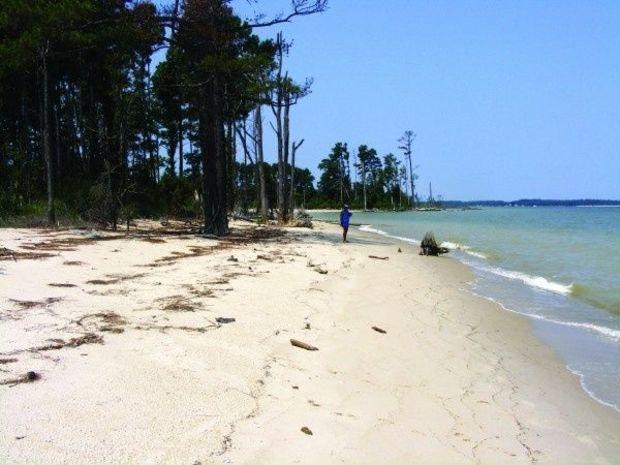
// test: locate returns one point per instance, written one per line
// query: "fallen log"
(303, 345)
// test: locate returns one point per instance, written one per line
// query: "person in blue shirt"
(345, 214)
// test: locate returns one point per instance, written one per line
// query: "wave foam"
(369, 228)
(605, 331)
(532, 281)
(585, 387)
(463, 248)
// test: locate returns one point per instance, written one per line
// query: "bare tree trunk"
(180, 135)
(364, 183)
(258, 138)
(411, 180)
(285, 145)
(47, 150)
(292, 192)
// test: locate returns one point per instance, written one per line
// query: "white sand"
(455, 379)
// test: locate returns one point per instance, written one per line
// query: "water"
(559, 266)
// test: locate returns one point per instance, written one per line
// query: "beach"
(137, 357)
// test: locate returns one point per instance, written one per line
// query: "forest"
(117, 109)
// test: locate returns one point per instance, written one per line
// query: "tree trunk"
(214, 162)
(258, 137)
(180, 137)
(292, 192)
(411, 180)
(47, 150)
(364, 184)
(286, 136)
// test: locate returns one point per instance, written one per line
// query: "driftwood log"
(429, 246)
(303, 345)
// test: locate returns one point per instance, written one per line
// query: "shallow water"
(559, 266)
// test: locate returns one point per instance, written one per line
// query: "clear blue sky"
(509, 99)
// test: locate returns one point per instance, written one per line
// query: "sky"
(509, 100)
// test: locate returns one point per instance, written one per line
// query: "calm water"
(559, 266)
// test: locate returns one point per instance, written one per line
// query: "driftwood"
(306, 430)
(429, 246)
(303, 345)
(378, 258)
(223, 320)
(379, 330)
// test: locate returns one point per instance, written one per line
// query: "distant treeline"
(529, 203)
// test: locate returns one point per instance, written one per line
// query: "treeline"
(366, 180)
(90, 125)
(530, 203)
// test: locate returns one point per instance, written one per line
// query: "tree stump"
(429, 246)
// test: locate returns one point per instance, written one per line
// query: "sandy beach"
(138, 360)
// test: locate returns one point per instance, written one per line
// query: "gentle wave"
(449, 245)
(585, 387)
(463, 248)
(610, 333)
(369, 228)
(532, 281)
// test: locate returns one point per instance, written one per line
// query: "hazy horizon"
(509, 101)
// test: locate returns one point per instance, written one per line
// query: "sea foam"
(532, 281)
(613, 334)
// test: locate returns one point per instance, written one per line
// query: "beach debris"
(153, 240)
(307, 326)
(223, 320)
(378, 258)
(429, 246)
(26, 304)
(73, 263)
(114, 279)
(88, 338)
(399, 250)
(28, 377)
(4, 361)
(379, 330)
(306, 430)
(320, 270)
(177, 303)
(295, 387)
(61, 285)
(303, 220)
(303, 345)
(8, 254)
(232, 258)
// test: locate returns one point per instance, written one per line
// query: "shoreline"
(457, 377)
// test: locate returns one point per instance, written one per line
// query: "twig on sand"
(306, 430)
(378, 258)
(379, 330)
(303, 345)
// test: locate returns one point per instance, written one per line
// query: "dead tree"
(429, 246)
(296, 146)
(284, 94)
(406, 146)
